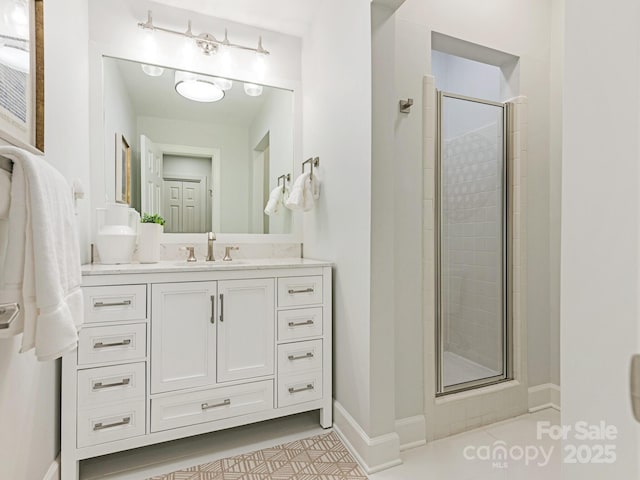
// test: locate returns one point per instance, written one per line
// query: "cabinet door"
(246, 329)
(183, 335)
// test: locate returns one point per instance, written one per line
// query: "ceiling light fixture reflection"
(197, 87)
(152, 70)
(223, 83)
(252, 89)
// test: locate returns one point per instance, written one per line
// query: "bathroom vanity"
(172, 349)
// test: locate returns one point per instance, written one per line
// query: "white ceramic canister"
(117, 233)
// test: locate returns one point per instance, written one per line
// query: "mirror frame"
(101, 193)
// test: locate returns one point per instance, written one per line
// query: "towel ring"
(285, 178)
(313, 162)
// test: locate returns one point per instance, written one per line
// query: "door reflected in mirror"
(206, 151)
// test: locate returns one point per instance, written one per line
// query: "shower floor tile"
(458, 369)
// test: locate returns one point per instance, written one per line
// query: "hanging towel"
(305, 191)
(5, 193)
(41, 271)
(276, 198)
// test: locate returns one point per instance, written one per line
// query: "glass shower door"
(472, 321)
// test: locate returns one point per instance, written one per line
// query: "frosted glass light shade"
(197, 87)
(152, 70)
(252, 89)
(223, 83)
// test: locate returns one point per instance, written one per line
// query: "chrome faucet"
(211, 237)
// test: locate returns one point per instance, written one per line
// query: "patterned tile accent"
(323, 457)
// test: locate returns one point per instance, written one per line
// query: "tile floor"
(439, 460)
(445, 460)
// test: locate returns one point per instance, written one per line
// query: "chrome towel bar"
(313, 162)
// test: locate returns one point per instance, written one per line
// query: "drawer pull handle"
(213, 308)
(303, 389)
(222, 307)
(306, 290)
(124, 303)
(100, 385)
(123, 343)
(300, 324)
(100, 426)
(206, 406)
(300, 357)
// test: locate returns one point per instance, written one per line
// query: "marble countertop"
(171, 266)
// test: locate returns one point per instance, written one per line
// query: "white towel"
(41, 271)
(5, 193)
(305, 191)
(276, 197)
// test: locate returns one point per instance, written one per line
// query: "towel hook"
(285, 179)
(313, 162)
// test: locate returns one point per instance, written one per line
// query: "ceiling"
(157, 97)
(291, 17)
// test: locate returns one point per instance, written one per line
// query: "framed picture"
(22, 73)
(123, 170)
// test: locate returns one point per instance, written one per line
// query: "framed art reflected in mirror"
(123, 170)
(22, 72)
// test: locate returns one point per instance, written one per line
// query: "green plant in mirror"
(155, 218)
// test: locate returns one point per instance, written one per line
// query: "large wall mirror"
(204, 152)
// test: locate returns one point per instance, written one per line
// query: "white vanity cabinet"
(246, 329)
(183, 335)
(169, 351)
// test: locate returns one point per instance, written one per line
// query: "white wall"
(132, 43)
(339, 229)
(555, 182)
(521, 29)
(276, 119)
(600, 193)
(29, 390)
(233, 143)
(119, 119)
(466, 77)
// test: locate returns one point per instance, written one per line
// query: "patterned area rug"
(323, 457)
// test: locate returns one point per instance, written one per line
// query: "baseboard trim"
(412, 432)
(53, 473)
(544, 396)
(374, 454)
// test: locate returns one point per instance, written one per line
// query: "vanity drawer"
(209, 405)
(299, 323)
(299, 388)
(119, 343)
(299, 357)
(294, 291)
(114, 384)
(115, 303)
(110, 423)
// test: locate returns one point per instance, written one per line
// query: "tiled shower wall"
(471, 245)
(459, 412)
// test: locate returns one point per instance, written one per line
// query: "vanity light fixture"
(207, 42)
(198, 88)
(152, 70)
(252, 89)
